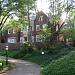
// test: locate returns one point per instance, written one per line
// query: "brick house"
(37, 21)
(41, 19)
(13, 36)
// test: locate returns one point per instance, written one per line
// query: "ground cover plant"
(62, 66)
(5, 67)
(44, 60)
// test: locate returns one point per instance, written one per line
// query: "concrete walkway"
(22, 68)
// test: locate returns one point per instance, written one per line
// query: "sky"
(43, 5)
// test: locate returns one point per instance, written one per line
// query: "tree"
(57, 9)
(69, 28)
(9, 8)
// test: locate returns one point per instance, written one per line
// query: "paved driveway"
(23, 68)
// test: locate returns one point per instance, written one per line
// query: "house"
(13, 36)
(37, 21)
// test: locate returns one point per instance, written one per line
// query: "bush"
(62, 66)
(56, 47)
(26, 47)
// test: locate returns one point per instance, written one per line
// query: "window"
(32, 28)
(41, 18)
(25, 38)
(21, 29)
(22, 39)
(11, 40)
(25, 28)
(57, 28)
(14, 31)
(44, 25)
(37, 27)
(38, 38)
(8, 31)
(32, 38)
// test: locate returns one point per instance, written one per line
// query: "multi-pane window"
(22, 39)
(37, 27)
(41, 18)
(38, 38)
(11, 40)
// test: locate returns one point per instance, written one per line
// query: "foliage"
(57, 67)
(4, 67)
(26, 47)
(12, 7)
(44, 60)
(56, 47)
(69, 33)
(45, 35)
(15, 24)
(69, 28)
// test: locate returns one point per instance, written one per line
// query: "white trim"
(32, 38)
(38, 38)
(32, 28)
(22, 39)
(37, 27)
(14, 31)
(8, 31)
(12, 40)
(41, 18)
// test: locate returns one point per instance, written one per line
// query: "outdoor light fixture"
(6, 55)
(42, 53)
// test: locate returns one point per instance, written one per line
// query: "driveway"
(22, 68)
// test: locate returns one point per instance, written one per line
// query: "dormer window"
(14, 31)
(8, 31)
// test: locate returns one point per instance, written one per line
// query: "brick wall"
(10, 46)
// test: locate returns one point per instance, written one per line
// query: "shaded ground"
(23, 68)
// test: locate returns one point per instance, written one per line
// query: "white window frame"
(38, 39)
(32, 28)
(22, 39)
(32, 38)
(12, 40)
(37, 27)
(14, 31)
(8, 31)
(41, 18)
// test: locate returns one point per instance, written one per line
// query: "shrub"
(56, 47)
(26, 47)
